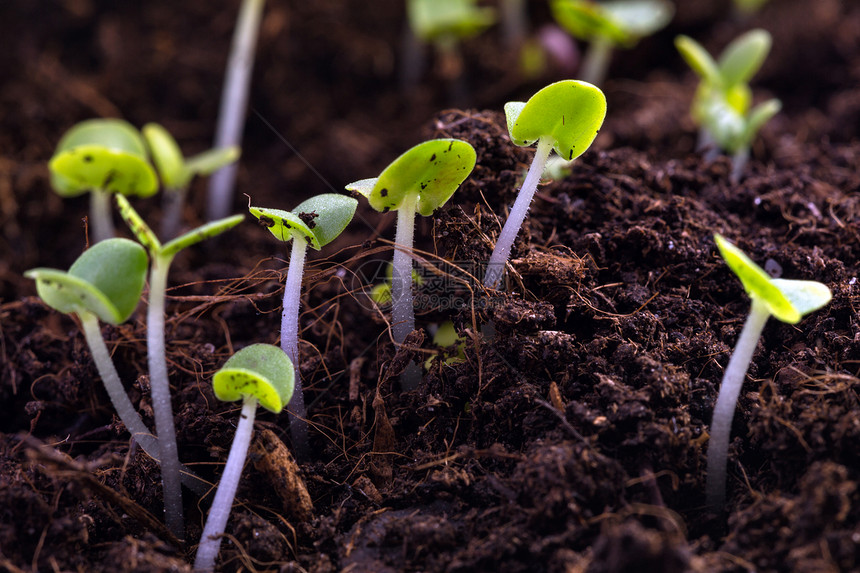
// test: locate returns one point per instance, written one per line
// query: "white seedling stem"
(596, 62)
(234, 102)
(724, 411)
(402, 313)
(100, 212)
(161, 405)
(496, 266)
(290, 344)
(216, 522)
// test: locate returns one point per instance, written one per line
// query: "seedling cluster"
(106, 157)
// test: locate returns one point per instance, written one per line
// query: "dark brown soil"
(572, 437)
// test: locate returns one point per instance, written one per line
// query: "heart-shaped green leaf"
(107, 280)
(569, 112)
(106, 154)
(431, 171)
(284, 225)
(639, 18)
(320, 219)
(260, 370)
(586, 20)
(431, 20)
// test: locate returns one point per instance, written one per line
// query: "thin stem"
(724, 411)
(596, 62)
(123, 406)
(290, 344)
(496, 266)
(101, 218)
(402, 312)
(216, 521)
(161, 405)
(739, 163)
(234, 102)
(514, 22)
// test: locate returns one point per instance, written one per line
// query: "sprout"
(442, 23)
(234, 101)
(422, 180)
(788, 301)
(564, 116)
(606, 25)
(315, 222)
(162, 257)
(258, 374)
(722, 104)
(176, 172)
(102, 156)
(105, 283)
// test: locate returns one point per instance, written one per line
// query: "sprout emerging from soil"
(786, 300)
(723, 100)
(234, 102)
(260, 374)
(102, 156)
(161, 257)
(315, 222)
(606, 25)
(176, 171)
(564, 116)
(442, 24)
(421, 180)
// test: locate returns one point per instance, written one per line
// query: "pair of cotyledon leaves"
(111, 155)
(623, 22)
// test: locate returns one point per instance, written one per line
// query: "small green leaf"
(106, 154)
(167, 156)
(805, 296)
(362, 186)
(760, 115)
(639, 18)
(431, 20)
(138, 226)
(107, 280)
(284, 225)
(744, 56)
(586, 20)
(756, 282)
(569, 112)
(698, 58)
(260, 370)
(432, 171)
(327, 215)
(212, 160)
(199, 234)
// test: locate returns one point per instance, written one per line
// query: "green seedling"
(102, 156)
(260, 374)
(315, 223)
(608, 25)
(176, 171)
(381, 293)
(722, 106)
(564, 116)
(446, 337)
(786, 300)
(234, 103)
(421, 180)
(443, 24)
(161, 256)
(106, 283)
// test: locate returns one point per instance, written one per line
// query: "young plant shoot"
(607, 25)
(234, 103)
(421, 180)
(176, 171)
(106, 283)
(315, 222)
(102, 156)
(443, 24)
(722, 104)
(161, 257)
(786, 300)
(260, 374)
(564, 116)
